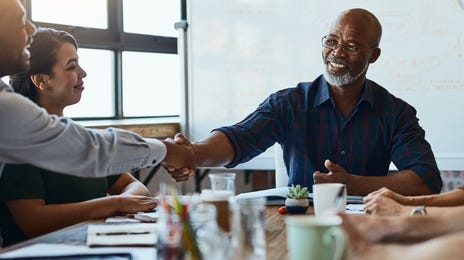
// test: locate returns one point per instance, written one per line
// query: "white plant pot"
(294, 202)
(296, 206)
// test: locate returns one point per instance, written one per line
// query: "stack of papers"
(133, 234)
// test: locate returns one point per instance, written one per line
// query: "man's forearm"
(404, 182)
(216, 150)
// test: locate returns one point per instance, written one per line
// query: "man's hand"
(181, 160)
(335, 174)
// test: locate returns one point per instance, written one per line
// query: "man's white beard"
(343, 80)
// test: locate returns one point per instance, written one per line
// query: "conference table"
(276, 244)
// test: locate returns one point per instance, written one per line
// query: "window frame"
(116, 40)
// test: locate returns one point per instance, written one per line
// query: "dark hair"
(43, 51)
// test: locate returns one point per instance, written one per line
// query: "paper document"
(276, 196)
(133, 234)
(355, 208)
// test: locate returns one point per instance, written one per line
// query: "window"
(98, 96)
(162, 17)
(129, 50)
(85, 13)
(143, 86)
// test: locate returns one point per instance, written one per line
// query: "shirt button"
(342, 152)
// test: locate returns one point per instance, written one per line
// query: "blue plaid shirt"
(304, 120)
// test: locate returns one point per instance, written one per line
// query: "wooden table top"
(276, 239)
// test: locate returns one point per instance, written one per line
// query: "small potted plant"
(296, 201)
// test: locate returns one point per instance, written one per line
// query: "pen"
(123, 233)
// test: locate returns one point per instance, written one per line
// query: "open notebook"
(276, 196)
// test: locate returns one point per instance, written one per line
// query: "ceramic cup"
(315, 238)
(329, 198)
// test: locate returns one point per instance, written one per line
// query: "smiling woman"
(54, 79)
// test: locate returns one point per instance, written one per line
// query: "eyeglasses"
(351, 49)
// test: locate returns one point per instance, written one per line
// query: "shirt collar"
(324, 95)
(4, 86)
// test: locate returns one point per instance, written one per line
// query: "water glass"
(248, 239)
(212, 242)
(222, 181)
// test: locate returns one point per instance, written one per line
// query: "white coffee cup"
(329, 197)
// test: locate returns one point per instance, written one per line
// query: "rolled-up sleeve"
(410, 149)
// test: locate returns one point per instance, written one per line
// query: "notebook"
(276, 196)
(131, 234)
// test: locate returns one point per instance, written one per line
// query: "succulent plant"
(296, 192)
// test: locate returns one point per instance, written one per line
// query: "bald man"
(28, 134)
(341, 127)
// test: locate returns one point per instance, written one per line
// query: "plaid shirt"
(304, 120)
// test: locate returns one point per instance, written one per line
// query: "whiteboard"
(240, 51)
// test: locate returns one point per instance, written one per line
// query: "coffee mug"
(328, 198)
(315, 238)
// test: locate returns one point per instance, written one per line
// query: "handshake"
(181, 160)
(184, 156)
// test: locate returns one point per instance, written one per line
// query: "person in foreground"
(388, 202)
(341, 127)
(412, 237)
(28, 134)
(54, 81)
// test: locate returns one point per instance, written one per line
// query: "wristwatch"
(419, 210)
